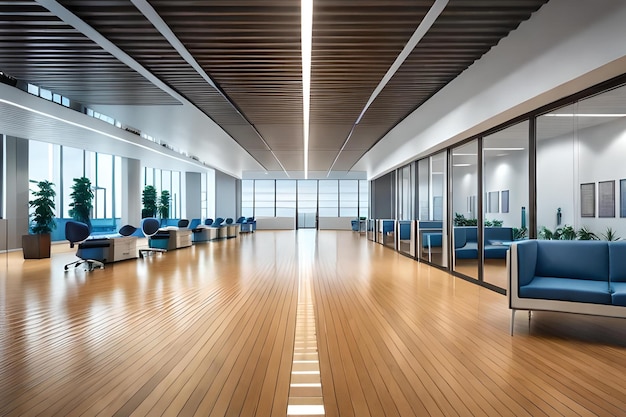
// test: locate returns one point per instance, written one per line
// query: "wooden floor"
(210, 331)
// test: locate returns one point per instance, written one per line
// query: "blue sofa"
(586, 277)
(497, 241)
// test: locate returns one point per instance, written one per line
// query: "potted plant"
(149, 201)
(37, 244)
(164, 205)
(82, 200)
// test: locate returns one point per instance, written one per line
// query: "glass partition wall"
(432, 239)
(464, 208)
(404, 225)
(505, 185)
(581, 149)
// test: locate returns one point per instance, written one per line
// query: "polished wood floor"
(210, 331)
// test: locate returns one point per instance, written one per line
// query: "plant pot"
(36, 246)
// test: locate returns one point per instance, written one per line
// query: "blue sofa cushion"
(496, 251)
(460, 237)
(434, 239)
(617, 259)
(495, 235)
(587, 260)
(618, 295)
(567, 289)
(469, 251)
(405, 230)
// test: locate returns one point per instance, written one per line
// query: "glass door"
(307, 204)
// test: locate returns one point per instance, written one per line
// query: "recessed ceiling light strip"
(306, 45)
(422, 29)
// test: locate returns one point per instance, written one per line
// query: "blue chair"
(157, 239)
(92, 252)
(183, 223)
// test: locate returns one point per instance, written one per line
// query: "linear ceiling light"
(307, 41)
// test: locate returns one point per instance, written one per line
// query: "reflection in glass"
(505, 172)
(465, 222)
(432, 231)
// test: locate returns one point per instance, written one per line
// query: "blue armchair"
(92, 252)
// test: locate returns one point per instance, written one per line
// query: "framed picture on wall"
(606, 199)
(622, 198)
(493, 201)
(588, 199)
(504, 195)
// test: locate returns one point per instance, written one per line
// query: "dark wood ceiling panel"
(37, 47)
(124, 25)
(463, 33)
(251, 50)
(354, 44)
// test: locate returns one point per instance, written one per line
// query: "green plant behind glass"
(82, 200)
(43, 203)
(149, 201)
(164, 204)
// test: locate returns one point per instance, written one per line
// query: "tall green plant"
(82, 200)
(149, 201)
(164, 204)
(43, 205)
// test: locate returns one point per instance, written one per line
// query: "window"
(264, 198)
(348, 198)
(328, 198)
(285, 198)
(247, 198)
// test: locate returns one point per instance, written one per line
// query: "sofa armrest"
(526, 261)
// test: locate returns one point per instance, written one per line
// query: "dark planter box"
(36, 246)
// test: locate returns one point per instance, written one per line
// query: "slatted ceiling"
(252, 51)
(266, 159)
(464, 32)
(39, 48)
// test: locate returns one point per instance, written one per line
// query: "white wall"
(275, 223)
(225, 195)
(335, 223)
(510, 173)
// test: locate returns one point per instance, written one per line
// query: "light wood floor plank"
(210, 331)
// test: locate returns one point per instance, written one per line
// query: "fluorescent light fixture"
(464, 154)
(504, 149)
(307, 41)
(585, 115)
(461, 165)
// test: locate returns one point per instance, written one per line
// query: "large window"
(328, 198)
(265, 198)
(348, 198)
(247, 198)
(164, 180)
(285, 198)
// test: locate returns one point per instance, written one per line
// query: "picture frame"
(606, 198)
(622, 198)
(504, 205)
(588, 199)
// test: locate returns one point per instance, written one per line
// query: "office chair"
(150, 228)
(183, 223)
(92, 252)
(127, 230)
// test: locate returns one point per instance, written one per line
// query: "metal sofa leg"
(512, 320)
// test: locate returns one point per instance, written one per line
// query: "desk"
(122, 248)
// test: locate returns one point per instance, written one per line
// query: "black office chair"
(182, 223)
(150, 228)
(127, 230)
(92, 252)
